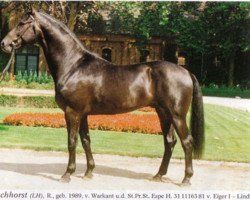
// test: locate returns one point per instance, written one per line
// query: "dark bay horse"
(86, 84)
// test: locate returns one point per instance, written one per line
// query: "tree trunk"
(72, 17)
(231, 72)
(43, 66)
(1, 23)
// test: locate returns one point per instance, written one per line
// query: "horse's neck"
(60, 49)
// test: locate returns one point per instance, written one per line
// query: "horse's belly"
(138, 97)
(113, 106)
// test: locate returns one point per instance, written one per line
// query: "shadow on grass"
(44, 170)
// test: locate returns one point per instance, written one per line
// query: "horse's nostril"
(2, 44)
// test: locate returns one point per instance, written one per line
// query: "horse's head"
(25, 32)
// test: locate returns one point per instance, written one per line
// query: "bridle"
(19, 36)
(21, 33)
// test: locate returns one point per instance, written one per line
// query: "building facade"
(118, 49)
(121, 49)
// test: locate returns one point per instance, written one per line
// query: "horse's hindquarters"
(173, 87)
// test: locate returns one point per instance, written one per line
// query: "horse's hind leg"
(85, 139)
(187, 145)
(169, 142)
(73, 124)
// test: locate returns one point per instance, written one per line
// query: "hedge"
(226, 92)
(28, 101)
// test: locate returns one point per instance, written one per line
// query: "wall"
(123, 47)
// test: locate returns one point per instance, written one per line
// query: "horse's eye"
(20, 24)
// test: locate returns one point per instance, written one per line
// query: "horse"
(86, 84)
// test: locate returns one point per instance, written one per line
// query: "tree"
(212, 34)
(69, 12)
(142, 20)
(212, 31)
(227, 24)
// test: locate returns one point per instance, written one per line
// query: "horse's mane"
(70, 33)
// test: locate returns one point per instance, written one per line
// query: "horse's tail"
(197, 119)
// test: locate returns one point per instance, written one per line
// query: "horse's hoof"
(87, 177)
(157, 178)
(65, 179)
(185, 183)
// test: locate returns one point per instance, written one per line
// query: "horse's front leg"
(85, 139)
(73, 123)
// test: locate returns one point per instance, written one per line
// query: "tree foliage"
(216, 31)
(73, 13)
(142, 20)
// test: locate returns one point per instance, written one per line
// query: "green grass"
(227, 137)
(102, 141)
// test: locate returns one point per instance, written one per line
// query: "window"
(181, 61)
(181, 58)
(27, 59)
(144, 55)
(107, 54)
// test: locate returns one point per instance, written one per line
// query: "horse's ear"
(33, 10)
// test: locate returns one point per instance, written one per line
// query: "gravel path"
(26, 92)
(242, 104)
(25, 169)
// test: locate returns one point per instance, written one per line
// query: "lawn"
(227, 137)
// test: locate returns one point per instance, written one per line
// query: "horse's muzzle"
(6, 46)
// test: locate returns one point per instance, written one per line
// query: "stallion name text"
(123, 195)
